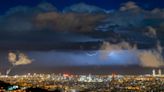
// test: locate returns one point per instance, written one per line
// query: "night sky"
(74, 36)
(60, 4)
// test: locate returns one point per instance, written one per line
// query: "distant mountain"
(84, 8)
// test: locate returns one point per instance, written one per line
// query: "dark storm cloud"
(43, 26)
(131, 16)
(146, 58)
(68, 21)
(22, 18)
(78, 18)
(32, 24)
(132, 35)
(46, 17)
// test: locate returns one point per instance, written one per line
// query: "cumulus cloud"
(151, 32)
(15, 60)
(150, 58)
(122, 45)
(129, 5)
(67, 22)
(45, 16)
(84, 8)
(18, 19)
(146, 58)
(108, 47)
(133, 17)
(46, 7)
(12, 57)
(21, 60)
(22, 18)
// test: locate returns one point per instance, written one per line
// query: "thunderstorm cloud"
(83, 34)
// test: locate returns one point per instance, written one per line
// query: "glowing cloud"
(151, 32)
(150, 58)
(146, 58)
(108, 47)
(129, 5)
(21, 60)
(12, 57)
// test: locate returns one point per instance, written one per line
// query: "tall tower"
(159, 72)
(153, 72)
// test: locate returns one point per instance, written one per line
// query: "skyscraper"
(153, 72)
(159, 72)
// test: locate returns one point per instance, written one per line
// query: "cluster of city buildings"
(87, 83)
(158, 74)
